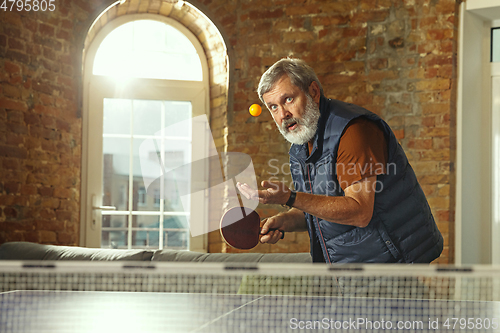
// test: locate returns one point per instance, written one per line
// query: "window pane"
(145, 166)
(116, 117)
(116, 172)
(148, 49)
(176, 232)
(178, 174)
(146, 235)
(176, 113)
(147, 117)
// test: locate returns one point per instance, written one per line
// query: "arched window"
(143, 73)
(148, 49)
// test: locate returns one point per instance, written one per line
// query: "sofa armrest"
(33, 251)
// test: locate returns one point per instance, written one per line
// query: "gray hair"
(300, 74)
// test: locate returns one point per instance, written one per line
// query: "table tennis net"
(255, 298)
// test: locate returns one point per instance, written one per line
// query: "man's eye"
(273, 108)
(289, 99)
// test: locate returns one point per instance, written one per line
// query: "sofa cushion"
(33, 251)
(172, 255)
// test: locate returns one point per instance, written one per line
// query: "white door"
(495, 144)
(495, 115)
(124, 212)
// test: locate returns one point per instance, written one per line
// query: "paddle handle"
(273, 229)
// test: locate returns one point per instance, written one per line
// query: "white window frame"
(95, 88)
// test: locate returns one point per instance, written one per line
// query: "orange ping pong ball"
(255, 110)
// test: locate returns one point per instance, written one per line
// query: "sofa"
(32, 251)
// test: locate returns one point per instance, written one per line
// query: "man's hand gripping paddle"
(240, 228)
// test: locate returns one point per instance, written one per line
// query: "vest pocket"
(388, 241)
(361, 245)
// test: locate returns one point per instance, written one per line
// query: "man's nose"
(285, 113)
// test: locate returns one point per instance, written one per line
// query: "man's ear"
(315, 91)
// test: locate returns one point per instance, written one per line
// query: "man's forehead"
(283, 81)
(282, 86)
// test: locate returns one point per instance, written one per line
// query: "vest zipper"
(320, 235)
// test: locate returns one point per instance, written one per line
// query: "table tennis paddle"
(240, 228)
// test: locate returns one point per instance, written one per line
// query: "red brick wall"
(40, 121)
(395, 57)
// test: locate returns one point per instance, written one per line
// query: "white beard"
(306, 126)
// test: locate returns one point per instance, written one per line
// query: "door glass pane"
(114, 234)
(150, 183)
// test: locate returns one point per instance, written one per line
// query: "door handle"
(103, 207)
(95, 208)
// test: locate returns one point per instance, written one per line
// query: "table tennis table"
(83, 297)
(84, 311)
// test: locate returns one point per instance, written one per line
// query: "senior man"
(355, 191)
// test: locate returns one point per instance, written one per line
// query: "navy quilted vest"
(402, 228)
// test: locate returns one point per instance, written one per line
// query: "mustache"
(287, 122)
